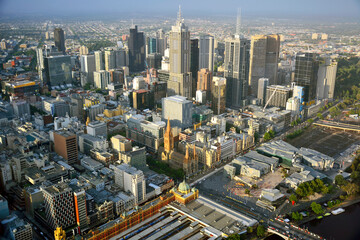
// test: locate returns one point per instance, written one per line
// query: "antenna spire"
(179, 14)
(238, 22)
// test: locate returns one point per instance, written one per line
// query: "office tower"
(117, 76)
(65, 145)
(97, 128)
(110, 59)
(121, 58)
(306, 74)
(19, 229)
(261, 93)
(326, 79)
(264, 56)
(178, 110)
(83, 50)
(40, 64)
(101, 79)
(120, 143)
(136, 46)
(280, 97)
(150, 45)
(87, 63)
(206, 52)
(180, 81)
(21, 108)
(56, 107)
(154, 60)
(80, 209)
(99, 63)
(236, 71)
(161, 42)
(59, 39)
(132, 180)
(218, 95)
(4, 208)
(194, 61)
(57, 70)
(59, 205)
(204, 81)
(237, 51)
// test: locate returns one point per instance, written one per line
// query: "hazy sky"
(272, 8)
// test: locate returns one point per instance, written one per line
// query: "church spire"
(168, 127)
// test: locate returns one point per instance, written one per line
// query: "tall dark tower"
(136, 50)
(194, 63)
(306, 70)
(59, 39)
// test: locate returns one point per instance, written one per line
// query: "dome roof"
(184, 187)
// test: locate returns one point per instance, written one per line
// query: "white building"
(179, 110)
(101, 79)
(97, 128)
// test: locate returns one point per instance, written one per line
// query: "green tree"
(236, 237)
(319, 115)
(293, 198)
(247, 191)
(296, 216)
(350, 188)
(339, 180)
(317, 209)
(260, 231)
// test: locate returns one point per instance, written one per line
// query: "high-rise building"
(204, 81)
(121, 58)
(161, 42)
(83, 50)
(218, 95)
(99, 63)
(236, 61)
(236, 71)
(180, 80)
(65, 144)
(306, 74)
(194, 61)
(87, 63)
(280, 97)
(326, 79)
(101, 79)
(206, 52)
(57, 70)
(19, 229)
(80, 209)
(59, 205)
(59, 39)
(136, 45)
(261, 92)
(264, 56)
(4, 208)
(178, 110)
(132, 180)
(110, 59)
(150, 45)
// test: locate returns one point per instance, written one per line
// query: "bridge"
(338, 125)
(289, 231)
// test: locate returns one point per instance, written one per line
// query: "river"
(345, 226)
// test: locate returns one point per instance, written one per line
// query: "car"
(42, 233)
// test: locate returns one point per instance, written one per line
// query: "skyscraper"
(204, 81)
(87, 63)
(99, 63)
(57, 70)
(83, 50)
(326, 79)
(261, 93)
(180, 80)
(279, 95)
(80, 209)
(218, 95)
(206, 52)
(59, 39)
(306, 74)
(236, 69)
(110, 59)
(59, 205)
(136, 50)
(264, 55)
(161, 42)
(194, 61)
(179, 110)
(151, 45)
(101, 79)
(66, 146)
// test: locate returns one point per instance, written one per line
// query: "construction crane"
(270, 98)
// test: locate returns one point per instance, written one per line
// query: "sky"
(261, 8)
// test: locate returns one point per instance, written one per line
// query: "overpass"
(338, 125)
